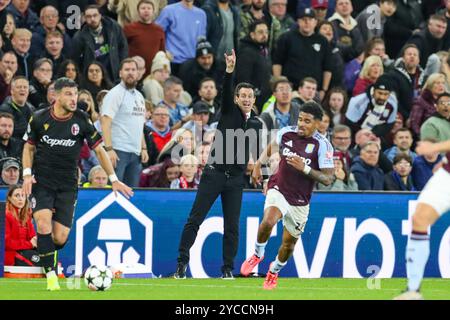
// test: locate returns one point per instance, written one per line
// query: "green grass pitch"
(218, 289)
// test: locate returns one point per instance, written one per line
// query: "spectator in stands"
(53, 49)
(325, 28)
(297, 59)
(430, 39)
(182, 143)
(188, 169)
(160, 175)
(203, 65)
(18, 106)
(341, 139)
(159, 73)
(408, 18)
(222, 27)
(348, 36)
(49, 19)
(424, 105)
(320, 8)
(324, 126)
(9, 146)
(95, 79)
(375, 109)
(157, 132)
(374, 27)
(408, 78)
(361, 138)
(100, 39)
(400, 178)
(423, 168)
(97, 178)
(87, 99)
(42, 77)
(278, 9)
(20, 235)
(345, 180)
(202, 154)
(69, 69)
(207, 92)
(8, 30)
(403, 141)
(199, 123)
(179, 113)
(141, 71)
(282, 112)
(182, 18)
(335, 105)
(446, 12)
(21, 42)
(258, 11)
(144, 37)
(437, 126)
(370, 72)
(438, 63)
(8, 69)
(306, 91)
(368, 174)
(253, 61)
(122, 121)
(10, 172)
(23, 15)
(128, 10)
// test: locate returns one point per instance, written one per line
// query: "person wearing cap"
(200, 118)
(253, 61)
(182, 18)
(320, 8)
(42, 77)
(145, 38)
(203, 65)
(304, 53)
(348, 37)
(10, 172)
(222, 29)
(375, 109)
(257, 11)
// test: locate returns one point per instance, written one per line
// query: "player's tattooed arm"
(324, 176)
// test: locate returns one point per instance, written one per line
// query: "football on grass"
(98, 278)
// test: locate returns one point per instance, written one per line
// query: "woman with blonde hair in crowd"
(182, 143)
(20, 235)
(424, 105)
(372, 69)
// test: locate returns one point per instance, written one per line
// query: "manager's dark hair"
(241, 85)
(64, 83)
(313, 108)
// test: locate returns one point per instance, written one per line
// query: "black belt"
(227, 173)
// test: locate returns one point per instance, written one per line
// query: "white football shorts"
(436, 192)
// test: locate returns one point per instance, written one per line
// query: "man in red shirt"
(144, 37)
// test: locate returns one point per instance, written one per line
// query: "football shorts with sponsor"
(294, 217)
(437, 192)
(60, 201)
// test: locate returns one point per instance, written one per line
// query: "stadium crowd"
(380, 70)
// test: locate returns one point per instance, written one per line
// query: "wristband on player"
(113, 178)
(306, 169)
(108, 148)
(26, 172)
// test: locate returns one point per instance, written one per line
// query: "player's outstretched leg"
(284, 253)
(418, 250)
(271, 217)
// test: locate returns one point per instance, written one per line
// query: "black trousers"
(214, 183)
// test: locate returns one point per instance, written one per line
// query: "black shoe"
(227, 275)
(181, 271)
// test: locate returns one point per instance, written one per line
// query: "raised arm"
(227, 91)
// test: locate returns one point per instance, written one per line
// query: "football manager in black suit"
(238, 135)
